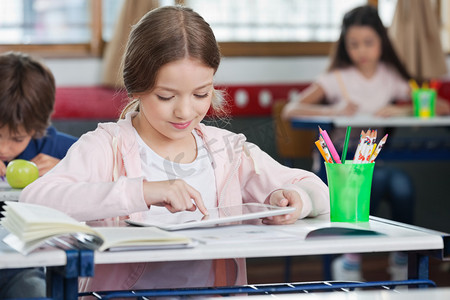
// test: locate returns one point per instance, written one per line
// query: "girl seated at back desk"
(365, 77)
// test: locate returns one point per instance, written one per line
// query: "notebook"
(220, 215)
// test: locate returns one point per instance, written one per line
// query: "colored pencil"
(347, 138)
(413, 84)
(330, 145)
(358, 148)
(325, 150)
(322, 152)
(378, 149)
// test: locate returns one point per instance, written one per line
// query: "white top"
(370, 94)
(200, 175)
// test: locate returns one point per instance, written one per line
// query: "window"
(77, 26)
(242, 27)
(274, 21)
(283, 27)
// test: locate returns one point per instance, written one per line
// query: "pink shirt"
(370, 94)
(101, 177)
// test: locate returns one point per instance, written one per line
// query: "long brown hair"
(365, 16)
(164, 35)
(27, 93)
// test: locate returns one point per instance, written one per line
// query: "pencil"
(330, 145)
(378, 149)
(347, 138)
(370, 148)
(369, 157)
(322, 151)
(358, 148)
(325, 150)
(413, 84)
(365, 139)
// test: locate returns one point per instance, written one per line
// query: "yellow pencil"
(413, 84)
(372, 152)
(378, 149)
(322, 152)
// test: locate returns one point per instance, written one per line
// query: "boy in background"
(27, 98)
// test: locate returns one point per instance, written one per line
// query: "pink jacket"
(100, 177)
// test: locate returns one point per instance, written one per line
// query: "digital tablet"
(219, 215)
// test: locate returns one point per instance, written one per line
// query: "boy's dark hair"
(27, 94)
(365, 16)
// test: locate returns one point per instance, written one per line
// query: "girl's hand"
(2, 169)
(176, 195)
(285, 198)
(44, 162)
(348, 109)
(394, 111)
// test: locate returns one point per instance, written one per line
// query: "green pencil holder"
(424, 102)
(349, 185)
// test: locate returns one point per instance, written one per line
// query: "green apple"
(20, 173)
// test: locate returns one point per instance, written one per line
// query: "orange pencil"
(326, 150)
(323, 152)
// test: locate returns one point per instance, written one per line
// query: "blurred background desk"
(328, 123)
(413, 138)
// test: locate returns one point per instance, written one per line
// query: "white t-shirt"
(200, 175)
(370, 94)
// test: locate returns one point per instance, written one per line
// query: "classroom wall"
(231, 71)
(235, 70)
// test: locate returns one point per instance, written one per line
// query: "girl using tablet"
(159, 156)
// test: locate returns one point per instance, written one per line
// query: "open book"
(31, 226)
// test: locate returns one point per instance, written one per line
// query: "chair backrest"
(291, 143)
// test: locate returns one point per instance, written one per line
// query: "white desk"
(10, 258)
(368, 121)
(7, 193)
(394, 237)
(397, 237)
(418, 294)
